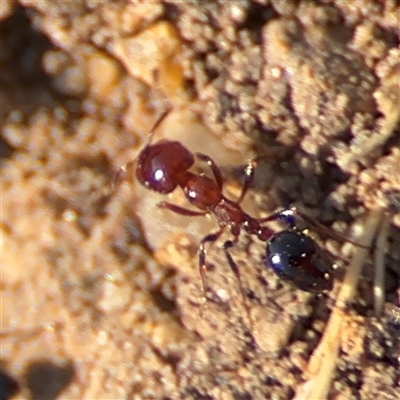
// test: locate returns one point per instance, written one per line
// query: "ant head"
(160, 165)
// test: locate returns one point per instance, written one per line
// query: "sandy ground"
(103, 299)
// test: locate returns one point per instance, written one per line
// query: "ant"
(293, 255)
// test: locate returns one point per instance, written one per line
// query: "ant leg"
(227, 245)
(214, 167)
(212, 237)
(287, 215)
(180, 210)
(293, 211)
(249, 171)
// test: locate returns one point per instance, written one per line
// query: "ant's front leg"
(181, 210)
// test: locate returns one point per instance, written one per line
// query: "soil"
(100, 290)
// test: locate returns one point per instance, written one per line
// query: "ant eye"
(297, 258)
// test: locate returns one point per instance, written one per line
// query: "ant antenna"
(169, 107)
(104, 196)
(158, 122)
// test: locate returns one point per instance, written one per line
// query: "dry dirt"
(103, 299)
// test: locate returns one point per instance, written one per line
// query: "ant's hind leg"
(289, 215)
(227, 245)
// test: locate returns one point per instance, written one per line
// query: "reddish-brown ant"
(296, 257)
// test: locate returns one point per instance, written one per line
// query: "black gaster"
(298, 259)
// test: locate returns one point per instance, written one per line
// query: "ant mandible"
(296, 257)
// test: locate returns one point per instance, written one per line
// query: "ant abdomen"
(160, 165)
(298, 259)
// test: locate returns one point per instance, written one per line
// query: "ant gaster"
(296, 257)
